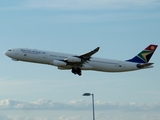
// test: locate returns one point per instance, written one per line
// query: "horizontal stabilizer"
(143, 65)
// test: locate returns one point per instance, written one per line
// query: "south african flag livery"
(145, 55)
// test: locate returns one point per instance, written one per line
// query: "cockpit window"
(9, 50)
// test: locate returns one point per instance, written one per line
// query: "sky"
(121, 29)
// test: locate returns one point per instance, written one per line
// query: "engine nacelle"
(58, 63)
(73, 59)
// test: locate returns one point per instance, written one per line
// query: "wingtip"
(97, 49)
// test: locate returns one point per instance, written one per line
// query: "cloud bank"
(44, 109)
(80, 4)
(44, 104)
(88, 4)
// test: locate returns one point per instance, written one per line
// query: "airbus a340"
(77, 63)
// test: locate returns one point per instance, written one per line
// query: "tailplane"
(145, 55)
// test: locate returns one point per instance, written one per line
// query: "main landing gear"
(77, 71)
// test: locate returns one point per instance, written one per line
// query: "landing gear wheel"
(79, 72)
(76, 71)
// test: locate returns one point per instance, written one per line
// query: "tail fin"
(145, 55)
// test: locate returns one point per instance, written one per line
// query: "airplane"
(77, 63)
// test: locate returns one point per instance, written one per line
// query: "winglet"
(96, 50)
(145, 55)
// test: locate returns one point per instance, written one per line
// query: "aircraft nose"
(7, 53)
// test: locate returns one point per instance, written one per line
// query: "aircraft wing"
(80, 59)
(88, 55)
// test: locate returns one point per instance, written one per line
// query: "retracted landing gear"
(77, 71)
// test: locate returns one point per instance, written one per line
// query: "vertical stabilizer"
(145, 55)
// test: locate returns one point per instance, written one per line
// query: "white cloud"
(3, 117)
(81, 4)
(88, 4)
(76, 110)
(69, 11)
(44, 104)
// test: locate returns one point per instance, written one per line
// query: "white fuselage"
(47, 57)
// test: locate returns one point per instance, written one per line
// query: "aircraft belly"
(87, 67)
(113, 67)
(99, 66)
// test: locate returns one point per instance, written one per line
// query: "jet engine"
(58, 63)
(73, 59)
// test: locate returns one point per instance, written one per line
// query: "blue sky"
(121, 29)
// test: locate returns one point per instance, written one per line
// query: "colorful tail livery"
(145, 55)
